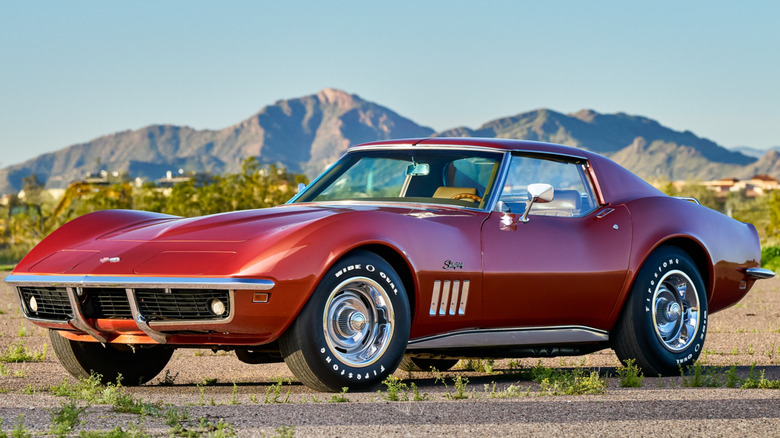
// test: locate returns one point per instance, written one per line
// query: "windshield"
(462, 178)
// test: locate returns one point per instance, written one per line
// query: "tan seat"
(449, 192)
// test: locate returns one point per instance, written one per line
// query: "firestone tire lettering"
(662, 334)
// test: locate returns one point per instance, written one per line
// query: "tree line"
(26, 220)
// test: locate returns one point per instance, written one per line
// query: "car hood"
(233, 227)
(226, 244)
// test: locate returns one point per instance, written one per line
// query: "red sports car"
(412, 252)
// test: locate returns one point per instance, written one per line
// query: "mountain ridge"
(306, 134)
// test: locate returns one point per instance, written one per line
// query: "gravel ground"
(742, 335)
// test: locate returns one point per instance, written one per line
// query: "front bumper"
(155, 304)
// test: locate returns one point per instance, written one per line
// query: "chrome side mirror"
(540, 193)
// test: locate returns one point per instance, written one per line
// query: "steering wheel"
(469, 196)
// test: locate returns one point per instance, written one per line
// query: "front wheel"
(664, 320)
(353, 330)
(82, 359)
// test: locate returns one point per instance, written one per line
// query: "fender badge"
(449, 264)
(110, 260)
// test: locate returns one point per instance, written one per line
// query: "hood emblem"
(110, 260)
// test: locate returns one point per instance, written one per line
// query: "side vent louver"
(449, 297)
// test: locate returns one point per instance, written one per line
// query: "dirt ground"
(243, 395)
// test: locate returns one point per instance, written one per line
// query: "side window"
(573, 190)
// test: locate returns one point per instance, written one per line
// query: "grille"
(106, 303)
(53, 303)
(181, 304)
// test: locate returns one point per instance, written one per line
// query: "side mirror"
(540, 193)
(301, 186)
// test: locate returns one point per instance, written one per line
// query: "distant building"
(758, 185)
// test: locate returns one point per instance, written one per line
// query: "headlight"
(217, 307)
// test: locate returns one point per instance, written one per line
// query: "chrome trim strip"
(464, 296)
(759, 273)
(450, 147)
(445, 297)
(498, 184)
(316, 180)
(139, 282)
(689, 199)
(405, 205)
(78, 320)
(455, 295)
(510, 337)
(417, 146)
(435, 297)
(140, 321)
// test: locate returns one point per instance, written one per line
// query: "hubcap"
(358, 321)
(676, 313)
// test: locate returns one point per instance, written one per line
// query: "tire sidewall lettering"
(389, 280)
(687, 356)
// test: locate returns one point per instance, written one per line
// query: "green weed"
(396, 389)
(460, 387)
(64, 419)
(759, 382)
(575, 382)
(284, 432)
(273, 393)
(699, 377)
(340, 397)
(630, 375)
(478, 365)
(18, 352)
(20, 430)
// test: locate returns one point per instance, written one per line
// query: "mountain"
(304, 135)
(753, 152)
(308, 133)
(602, 133)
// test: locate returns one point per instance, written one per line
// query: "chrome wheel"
(676, 310)
(358, 321)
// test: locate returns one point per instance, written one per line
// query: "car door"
(567, 264)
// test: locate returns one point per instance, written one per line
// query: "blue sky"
(73, 71)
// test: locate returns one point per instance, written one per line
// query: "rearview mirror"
(418, 169)
(540, 193)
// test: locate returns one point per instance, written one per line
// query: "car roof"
(488, 143)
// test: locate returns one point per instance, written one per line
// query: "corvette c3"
(407, 252)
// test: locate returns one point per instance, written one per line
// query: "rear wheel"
(664, 320)
(81, 359)
(418, 364)
(353, 330)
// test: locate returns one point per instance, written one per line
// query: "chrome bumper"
(73, 282)
(759, 273)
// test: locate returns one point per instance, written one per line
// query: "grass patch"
(478, 365)
(575, 382)
(18, 352)
(698, 376)
(66, 418)
(630, 375)
(340, 397)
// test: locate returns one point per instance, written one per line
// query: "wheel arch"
(690, 246)
(397, 261)
(698, 254)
